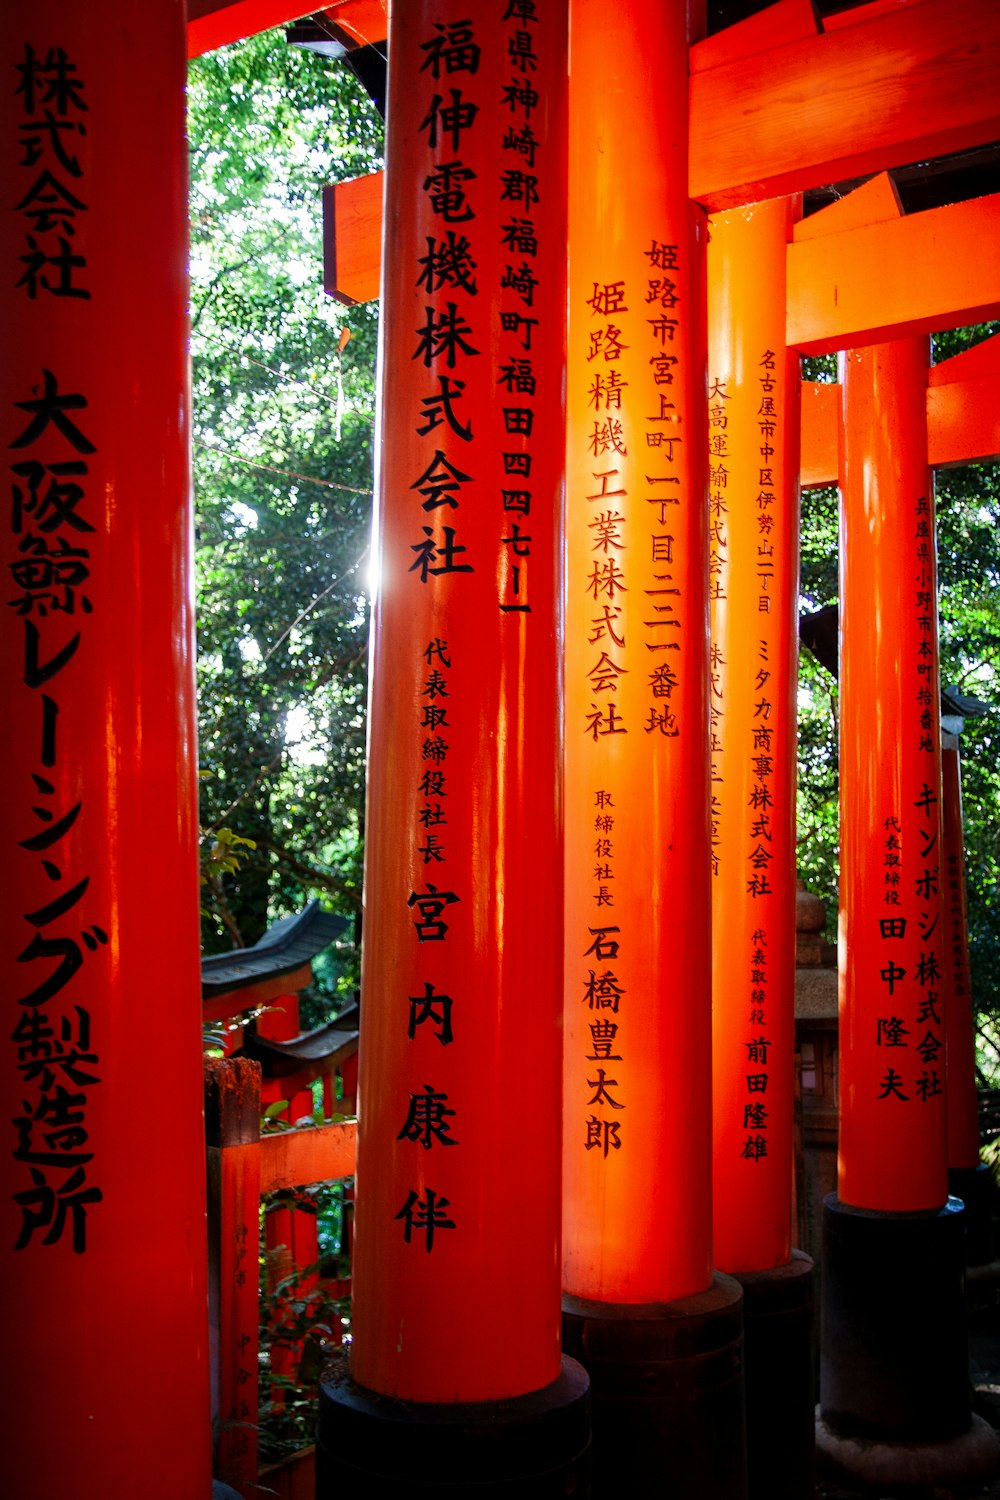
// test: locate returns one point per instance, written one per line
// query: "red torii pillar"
(754, 423)
(894, 1392)
(455, 1377)
(658, 1335)
(103, 1215)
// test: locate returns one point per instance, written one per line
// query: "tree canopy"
(283, 381)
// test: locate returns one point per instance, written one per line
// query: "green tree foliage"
(283, 383)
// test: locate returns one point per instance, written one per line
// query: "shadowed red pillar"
(456, 1264)
(753, 446)
(637, 1127)
(894, 1389)
(892, 1124)
(103, 1218)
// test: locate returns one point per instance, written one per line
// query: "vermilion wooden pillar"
(637, 1127)
(103, 1213)
(456, 1263)
(894, 1388)
(892, 1129)
(753, 400)
(753, 444)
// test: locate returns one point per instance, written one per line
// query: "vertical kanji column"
(637, 1129)
(753, 446)
(894, 1371)
(456, 1270)
(103, 1211)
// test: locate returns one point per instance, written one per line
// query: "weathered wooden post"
(753, 445)
(456, 1376)
(102, 1225)
(660, 1337)
(232, 1129)
(894, 1395)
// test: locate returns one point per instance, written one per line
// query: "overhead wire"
(251, 463)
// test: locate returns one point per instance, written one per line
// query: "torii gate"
(97, 653)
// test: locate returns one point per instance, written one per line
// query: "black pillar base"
(977, 1189)
(533, 1447)
(667, 1391)
(780, 1380)
(895, 1405)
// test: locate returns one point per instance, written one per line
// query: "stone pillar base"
(780, 1380)
(532, 1447)
(667, 1392)
(962, 1462)
(895, 1403)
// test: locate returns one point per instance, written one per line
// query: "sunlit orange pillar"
(968, 1177)
(103, 1211)
(637, 1127)
(753, 445)
(456, 1265)
(894, 1392)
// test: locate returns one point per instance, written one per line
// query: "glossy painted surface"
(637, 1068)
(457, 1249)
(753, 425)
(105, 1316)
(962, 1103)
(892, 1117)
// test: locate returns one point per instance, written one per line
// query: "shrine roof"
(287, 945)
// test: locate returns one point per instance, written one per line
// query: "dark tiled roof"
(286, 946)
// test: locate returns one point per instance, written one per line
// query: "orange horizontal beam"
(963, 407)
(253, 996)
(364, 21)
(352, 238)
(981, 361)
(963, 423)
(294, 1158)
(862, 13)
(872, 203)
(906, 85)
(963, 415)
(918, 274)
(215, 23)
(787, 21)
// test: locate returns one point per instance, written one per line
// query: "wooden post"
(103, 1213)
